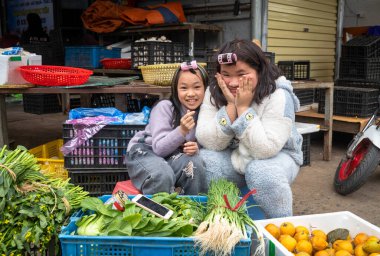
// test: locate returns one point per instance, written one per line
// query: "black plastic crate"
(105, 150)
(98, 182)
(295, 70)
(306, 96)
(52, 53)
(358, 83)
(102, 100)
(360, 68)
(153, 52)
(132, 104)
(362, 47)
(211, 61)
(270, 56)
(74, 101)
(306, 149)
(350, 101)
(41, 103)
(136, 105)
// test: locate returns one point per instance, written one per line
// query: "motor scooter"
(361, 158)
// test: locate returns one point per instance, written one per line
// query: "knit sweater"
(159, 133)
(261, 132)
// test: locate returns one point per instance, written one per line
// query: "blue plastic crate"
(74, 245)
(88, 56)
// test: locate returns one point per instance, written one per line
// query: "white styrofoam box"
(9, 64)
(125, 55)
(324, 221)
(304, 128)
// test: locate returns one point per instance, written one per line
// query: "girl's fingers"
(249, 84)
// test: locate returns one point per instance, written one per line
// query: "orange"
(343, 253)
(343, 245)
(304, 246)
(360, 238)
(302, 235)
(302, 254)
(320, 233)
(375, 238)
(359, 250)
(321, 253)
(318, 243)
(302, 228)
(288, 242)
(330, 251)
(273, 230)
(287, 228)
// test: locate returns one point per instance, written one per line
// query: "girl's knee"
(158, 182)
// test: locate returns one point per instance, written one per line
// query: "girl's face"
(232, 73)
(191, 90)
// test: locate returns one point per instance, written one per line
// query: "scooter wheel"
(353, 172)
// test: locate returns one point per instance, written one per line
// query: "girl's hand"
(244, 94)
(187, 122)
(226, 92)
(190, 148)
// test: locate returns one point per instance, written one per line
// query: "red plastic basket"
(114, 63)
(54, 75)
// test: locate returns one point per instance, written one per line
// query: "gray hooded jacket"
(261, 132)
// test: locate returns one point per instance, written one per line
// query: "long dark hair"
(251, 54)
(174, 92)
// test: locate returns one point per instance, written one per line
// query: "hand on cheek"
(245, 93)
(223, 86)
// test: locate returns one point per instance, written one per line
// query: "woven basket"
(160, 74)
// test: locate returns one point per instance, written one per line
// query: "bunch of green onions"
(223, 226)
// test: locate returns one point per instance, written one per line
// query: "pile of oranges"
(304, 242)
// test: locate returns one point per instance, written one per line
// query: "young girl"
(246, 125)
(164, 157)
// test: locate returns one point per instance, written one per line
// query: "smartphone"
(152, 207)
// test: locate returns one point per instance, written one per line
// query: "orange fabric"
(139, 16)
(103, 16)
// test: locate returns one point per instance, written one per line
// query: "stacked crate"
(298, 70)
(156, 52)
(357, 89)
(98, 163)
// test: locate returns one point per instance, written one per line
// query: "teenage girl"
(247, 127)
(164, 157)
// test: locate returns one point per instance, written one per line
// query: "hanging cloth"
(159, 14)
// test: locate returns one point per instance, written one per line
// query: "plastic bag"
(78, 113)
(84, 129)
(138, 118)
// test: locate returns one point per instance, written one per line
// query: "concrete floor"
(313, 190)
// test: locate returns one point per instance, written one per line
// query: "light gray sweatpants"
(270, 177)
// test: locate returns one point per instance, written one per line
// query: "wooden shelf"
(167, 27)
(117, 71)
(340, 123)
(190, 27)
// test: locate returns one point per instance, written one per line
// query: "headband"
(185, 66)
(227, 58)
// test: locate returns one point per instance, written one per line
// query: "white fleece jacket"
(259, 133)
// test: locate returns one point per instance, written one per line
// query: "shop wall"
(304, 30)
(359, 13)
(236, 22)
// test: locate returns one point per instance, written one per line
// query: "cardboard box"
(325, 221)
(9, 73)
